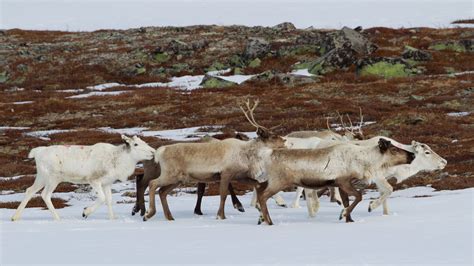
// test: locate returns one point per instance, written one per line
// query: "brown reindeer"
(152, 170)
(339, 165)
(221, 161)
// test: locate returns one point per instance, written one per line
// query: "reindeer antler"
(327, 123)
(361, 121)
(350, 122)
(342, 121)
(249, 114)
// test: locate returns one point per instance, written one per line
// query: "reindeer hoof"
(341, 215)
(142, 212)
(283, 205)
(84, 213)
(339, 202)
(349, 220)
(370, 206)
(239, 207)
(260, 220)
(198, 212)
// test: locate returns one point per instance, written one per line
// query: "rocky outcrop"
(416, 54)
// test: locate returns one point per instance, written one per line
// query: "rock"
(385, 67)
(177, 47)
(237, 61)
(310, 37)
(215, 82)
(285, 26)
(351, 38)
(180, 67)
(140, 69)
(256, 47)
(285, 78)
(255, 63)
(338, 58)
(416, 54)
(414, 120)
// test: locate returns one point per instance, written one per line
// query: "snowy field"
(435, 229)
(80, 15)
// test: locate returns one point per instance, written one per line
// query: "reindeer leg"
(223, 190)
(349, 189)
(385, 190)
(235, 201)
(296, 201)
(263, 194)
(201, 188)
(163, 192)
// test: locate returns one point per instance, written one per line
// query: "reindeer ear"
(126, 139)
(384, 145)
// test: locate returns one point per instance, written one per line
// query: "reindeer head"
(426, 158)
(351, 133)
(138, 149)
(394, 153)
(264, 134)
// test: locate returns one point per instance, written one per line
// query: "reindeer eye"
(427, 152)
(136, 144)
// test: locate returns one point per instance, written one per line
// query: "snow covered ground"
(77, 15)
(424, 230)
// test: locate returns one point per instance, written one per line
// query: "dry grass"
(35, 202)
(405, 108)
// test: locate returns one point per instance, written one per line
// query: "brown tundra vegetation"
(414, 83)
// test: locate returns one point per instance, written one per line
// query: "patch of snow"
(97, 93)
(15, 88)
(12, 128)
(302, 72)
(413, 229)
(237, 78)
(43, 134)
(458, 114)
(184, 82)
(24, 102)
(9, 178)
(71, 90)
(104, 86)
(357, 126)
(126, 131)
(219, 72)
(182, 134)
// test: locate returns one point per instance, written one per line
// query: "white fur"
(99, 165)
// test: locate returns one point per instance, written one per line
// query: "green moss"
(302, 65)
(320, 69)
(238, 71)
(161, 57)
(216, 66)
(141, 70)
(3, 77)
(216, 83)
(255, 63)
(448, 46)
(386, 70)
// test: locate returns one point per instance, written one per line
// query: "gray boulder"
(256, 47)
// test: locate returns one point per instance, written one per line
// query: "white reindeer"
(425, 160)
(98, 165)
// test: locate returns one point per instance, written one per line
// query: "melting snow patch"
(184, 83)
(190, 133)
(104, 86)
(338, 127)
(12, 128)
(24, 102)
(302, 72)
(97, 93)
(43, 134)
(458, 114)
(126, 131)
